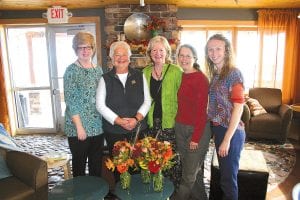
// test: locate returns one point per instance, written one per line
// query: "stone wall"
(116, 15)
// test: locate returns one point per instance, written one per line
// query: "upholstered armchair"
(269, 118)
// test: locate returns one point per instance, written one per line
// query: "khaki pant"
(191, 185)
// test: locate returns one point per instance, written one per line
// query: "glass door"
(38, 57)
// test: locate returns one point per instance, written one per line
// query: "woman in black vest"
(123, 97)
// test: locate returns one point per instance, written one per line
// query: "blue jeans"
(229, 165)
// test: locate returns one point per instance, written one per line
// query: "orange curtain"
(296, 84)
(272, 23)
(4, 118)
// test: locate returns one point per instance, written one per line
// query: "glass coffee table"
(80, 188)
(140, 191)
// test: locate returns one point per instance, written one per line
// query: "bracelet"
(136, 119)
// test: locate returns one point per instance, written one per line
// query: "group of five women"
(176, 103)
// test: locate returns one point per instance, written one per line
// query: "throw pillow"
(6, 141)
(255, 107)
(4, 171)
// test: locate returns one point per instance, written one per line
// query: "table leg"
(67, 170)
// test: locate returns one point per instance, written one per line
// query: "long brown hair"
(228, 60)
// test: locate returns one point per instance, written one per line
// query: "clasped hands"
(126, 123)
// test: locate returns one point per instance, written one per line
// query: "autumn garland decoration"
(155, 24)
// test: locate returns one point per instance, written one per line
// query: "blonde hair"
(84, 38)
(162, 40)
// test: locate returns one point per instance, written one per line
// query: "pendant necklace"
(156, 74)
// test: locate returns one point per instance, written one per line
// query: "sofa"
(22, 175)
(267, 117)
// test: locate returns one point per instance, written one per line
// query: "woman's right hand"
(81, 134)
(123, 122)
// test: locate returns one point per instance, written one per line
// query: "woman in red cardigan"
(191, 128)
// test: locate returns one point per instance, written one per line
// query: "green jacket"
(170, 86)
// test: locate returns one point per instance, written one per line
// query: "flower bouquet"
(153, 156)
(122, 161)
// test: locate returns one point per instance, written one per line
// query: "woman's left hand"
(193, 145)
(224, 148)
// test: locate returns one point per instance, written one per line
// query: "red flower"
(122, 168)
(153, 167)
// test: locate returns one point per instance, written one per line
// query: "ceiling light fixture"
(142, 3)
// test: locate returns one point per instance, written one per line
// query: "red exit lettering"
(57, 13)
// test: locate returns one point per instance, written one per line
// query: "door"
(38, 57)
(61, 56)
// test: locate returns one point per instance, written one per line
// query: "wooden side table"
(296, 107)
(56, 161)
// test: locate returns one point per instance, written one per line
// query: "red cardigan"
(192, 102)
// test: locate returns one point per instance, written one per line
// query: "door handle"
(55, 91)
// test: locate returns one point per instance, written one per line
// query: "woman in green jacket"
(164, 80)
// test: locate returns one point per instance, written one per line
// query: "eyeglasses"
(187, 57)
(87, 48)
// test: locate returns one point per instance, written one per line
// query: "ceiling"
(83, 4)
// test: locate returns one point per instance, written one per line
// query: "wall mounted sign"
(57, 15)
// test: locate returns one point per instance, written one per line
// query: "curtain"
(278, 64)
(296, 84)
(4, 118)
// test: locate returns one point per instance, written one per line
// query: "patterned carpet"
(280, 159)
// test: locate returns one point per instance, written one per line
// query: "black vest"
(125, 102)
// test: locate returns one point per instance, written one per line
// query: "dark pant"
(91, 148)
(229, 165)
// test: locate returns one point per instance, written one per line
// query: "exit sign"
(57, 15)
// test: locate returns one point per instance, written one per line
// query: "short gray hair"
(117, 44)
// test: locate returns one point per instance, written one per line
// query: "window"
(260, 58)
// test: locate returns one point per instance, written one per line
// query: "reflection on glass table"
(138, 190)
(80, 188)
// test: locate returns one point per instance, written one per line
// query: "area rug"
(280, 159)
